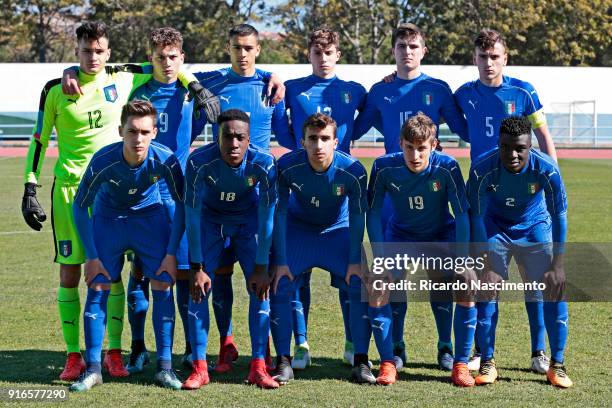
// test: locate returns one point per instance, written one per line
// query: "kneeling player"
(121, 186)
(320, 223)
(231, 197)
(421, 183)
(519, 208)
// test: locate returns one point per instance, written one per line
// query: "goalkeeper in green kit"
(84, 123)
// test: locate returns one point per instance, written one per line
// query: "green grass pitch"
(32, 348)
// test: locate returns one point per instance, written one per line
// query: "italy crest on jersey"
(533, 188)
(346, 97)
(427, 98)
(155, 178)
(338, 189)
(65, 248)
(510, 107)
(435, 186)
(251, 180)
(110, 93)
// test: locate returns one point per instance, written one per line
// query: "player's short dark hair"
(92, 30)
(515, 126)
(407, 30)
(319, 121)
(233, 114)
(164, 37)
(419, 128)
(243, 30)
(487, 38)
(322, 38)
(139, 109)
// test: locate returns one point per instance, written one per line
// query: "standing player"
(243, 87)
(320, 223)
(84, 123)
(120, 186)
(389, 105)
(485, 102)
(519, 206)
(421, 183)
(230, 200)
(321, 92)
(174, 123)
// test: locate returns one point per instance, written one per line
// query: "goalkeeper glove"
(33, 213)
(204, 99)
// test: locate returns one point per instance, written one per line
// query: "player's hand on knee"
(259, 282)
(554, 279)
(168, 265)
(32, 211)
(275, 90)
(200, 283)
(93, 268)
(206, 100)
(353, 270)
(278, 273)
(70, 83)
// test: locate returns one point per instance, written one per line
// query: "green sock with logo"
(69, 305)
(114, 315)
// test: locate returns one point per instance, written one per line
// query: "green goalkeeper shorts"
(68, 246)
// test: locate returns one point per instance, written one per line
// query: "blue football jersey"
(323, 201)
(517, 201)
(116, 189)
(249, 95)
(420, 201)
(485, 107)
(333, 97)
(174, 119)
(227, 194)
(389, 105)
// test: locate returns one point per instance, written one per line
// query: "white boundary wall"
(22, 83)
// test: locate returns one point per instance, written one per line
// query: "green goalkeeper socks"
(69, 305)
(114, 315)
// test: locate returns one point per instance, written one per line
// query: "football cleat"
(362, 374)
(557, 376)
(259, 376)
(399, 350)
(387, 374)
(301, 359)
(487, 373)
(461, 375)
(113, 363)
(86, 382)
(283, 373)
(75, 366)
(227, 355)
(198, 377)
(445, 359)
(349, 352)
(168, 379)
(187, 360)
(474, 362)
(137, 362)
(540, 363)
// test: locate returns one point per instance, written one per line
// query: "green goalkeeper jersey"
(83, 123)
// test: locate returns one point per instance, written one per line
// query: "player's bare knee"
(182, 274)
(70, 275)
(160, 285)
(225, 270)
(100, 286)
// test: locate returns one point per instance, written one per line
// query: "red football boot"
(75, 366)
(259, 376)
(228, 353)
(198, 377)
(113, 363)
